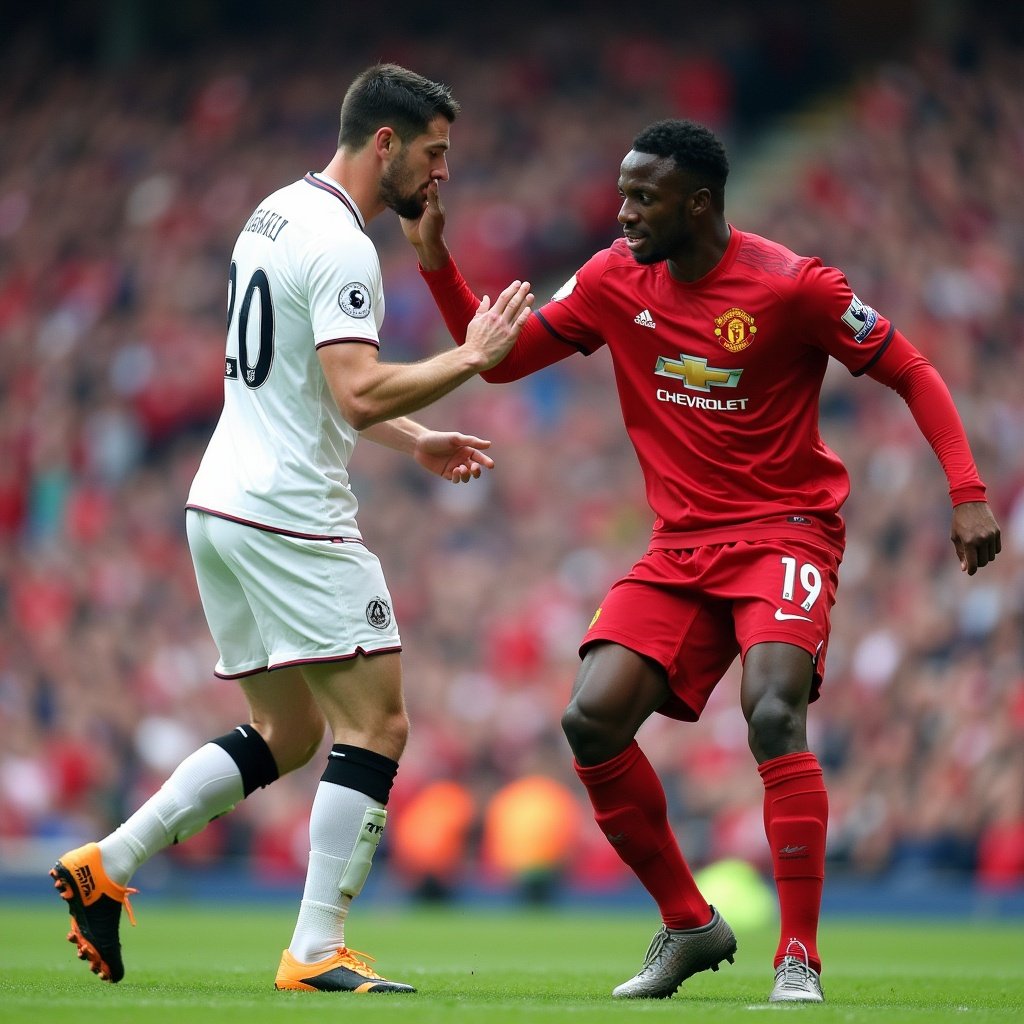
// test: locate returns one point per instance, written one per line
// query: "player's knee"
(591, 739)
(385, 732)
(575, 725)
(776, 727)
(396, 733)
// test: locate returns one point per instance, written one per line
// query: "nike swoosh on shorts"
(782, 616)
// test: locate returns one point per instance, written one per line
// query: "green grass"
(192, 965)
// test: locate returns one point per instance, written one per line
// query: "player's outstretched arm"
(368, 391)
(536, 347)
(975, 535)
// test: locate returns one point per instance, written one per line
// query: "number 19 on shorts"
(809, 582)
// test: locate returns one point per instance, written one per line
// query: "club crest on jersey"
(860, 319)
(378, 613)
(735, 330)
(354, 299)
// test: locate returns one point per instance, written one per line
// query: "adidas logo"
(644, 319)
(86, 884)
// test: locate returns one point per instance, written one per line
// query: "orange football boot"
(94, 903)
(343, 972)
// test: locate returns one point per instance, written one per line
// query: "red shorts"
(693, 611)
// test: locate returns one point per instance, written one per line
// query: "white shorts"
(272, 600)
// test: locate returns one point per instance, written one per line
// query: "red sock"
(629, 805)
(795, 821)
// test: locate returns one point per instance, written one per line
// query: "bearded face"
(399, 190)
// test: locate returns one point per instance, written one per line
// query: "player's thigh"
(660, 613)
(617, 686)
(228, 614)
(615, 691)
(286, 715)
(362, 700)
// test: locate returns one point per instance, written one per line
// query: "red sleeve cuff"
(969, 492)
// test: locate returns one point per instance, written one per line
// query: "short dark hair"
(696, 150)
(387, 94)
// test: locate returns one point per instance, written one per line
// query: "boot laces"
(796, 965)
(128, 906)
(657, 943)
(356, 961)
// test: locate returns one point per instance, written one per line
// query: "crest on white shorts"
(378, 613)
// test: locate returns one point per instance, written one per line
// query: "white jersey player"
(303, 275)
(297, 605)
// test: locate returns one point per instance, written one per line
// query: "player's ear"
(698, 202)
(385, 141)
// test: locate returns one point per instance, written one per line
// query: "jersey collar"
(329, 185)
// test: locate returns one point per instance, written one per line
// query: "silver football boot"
(676, 954)
(796, 981)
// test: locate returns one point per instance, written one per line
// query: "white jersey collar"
(328, 184)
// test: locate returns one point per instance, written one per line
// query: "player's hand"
(456, 457)
(975, 535)
(426, 233)
(493, 330)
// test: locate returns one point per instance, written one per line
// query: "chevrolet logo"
(695, 373)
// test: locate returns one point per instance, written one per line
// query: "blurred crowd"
(121, 194)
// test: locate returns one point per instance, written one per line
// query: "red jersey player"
(719, 340)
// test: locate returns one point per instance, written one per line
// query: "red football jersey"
(719, 381)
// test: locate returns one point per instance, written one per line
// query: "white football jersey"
(303, 274)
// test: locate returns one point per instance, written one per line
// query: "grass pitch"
(216, 964)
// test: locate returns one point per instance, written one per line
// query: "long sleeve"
(904, 369)
(534, 349)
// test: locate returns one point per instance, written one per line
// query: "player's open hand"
(975, 535)
(426, 233)
(457, 457)
(493, 330)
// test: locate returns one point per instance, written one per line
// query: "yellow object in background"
(739, 892)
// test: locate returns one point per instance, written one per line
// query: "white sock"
(205, 785)
(334, 824)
